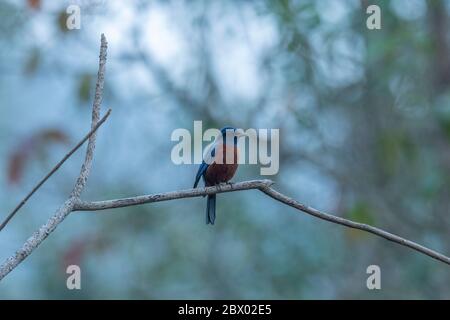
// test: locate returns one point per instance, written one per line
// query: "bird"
(220, 162)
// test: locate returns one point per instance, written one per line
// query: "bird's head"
(232, 132)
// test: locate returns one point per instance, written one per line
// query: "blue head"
(232, 132)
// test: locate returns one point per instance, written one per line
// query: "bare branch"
(158, 197)
(36, 239)
(55, 168)
(264, 186)
(355, 225)
(86, 167)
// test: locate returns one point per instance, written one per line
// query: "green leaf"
(84, 87)
(361, 212)
(62, 21)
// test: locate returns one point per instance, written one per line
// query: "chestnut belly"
(219, 173)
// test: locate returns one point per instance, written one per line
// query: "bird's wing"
(208, 158)
(200, 172)
(210, 152)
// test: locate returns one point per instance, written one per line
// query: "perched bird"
(220, 162)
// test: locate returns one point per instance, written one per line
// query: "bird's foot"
(221, 185)
(224, 184)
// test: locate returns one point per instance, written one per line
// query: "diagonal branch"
(355, 225)
(55, 168)
(39, 236)
(36, 239)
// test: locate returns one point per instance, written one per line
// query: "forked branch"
(39, 236)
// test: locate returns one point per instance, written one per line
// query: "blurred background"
(364, 119)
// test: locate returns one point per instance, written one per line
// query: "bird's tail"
(211, 209)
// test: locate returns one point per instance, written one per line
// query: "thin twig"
(55, 168)
(355, 225)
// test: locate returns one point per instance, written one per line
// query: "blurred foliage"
(33, 61)
(62, 19)
(85, 87)
(30, 146)
(365, 131)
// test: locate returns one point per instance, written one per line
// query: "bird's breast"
(219, 170)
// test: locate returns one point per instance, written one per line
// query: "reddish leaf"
(28, 147)
(75, 252)
(15, 168)
(54, 135)
(18, 159)
(34, 4)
